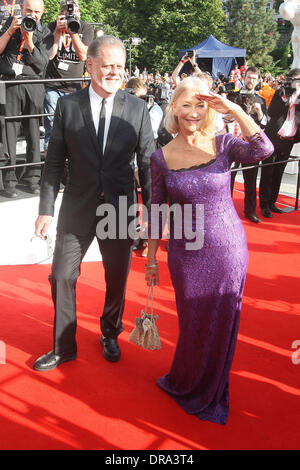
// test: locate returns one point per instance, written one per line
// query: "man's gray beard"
(111, 86)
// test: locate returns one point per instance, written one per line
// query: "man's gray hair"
(104, 41)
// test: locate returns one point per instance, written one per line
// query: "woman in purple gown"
(192, 175)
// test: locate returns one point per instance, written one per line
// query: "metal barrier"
(88, 79)
(291, 159)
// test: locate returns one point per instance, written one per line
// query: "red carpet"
(93, 404)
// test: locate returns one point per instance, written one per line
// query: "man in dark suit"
(101, 174)
(283, 130)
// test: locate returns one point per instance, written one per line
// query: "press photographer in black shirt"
(254, 105)
(24, 54)
(72, 37)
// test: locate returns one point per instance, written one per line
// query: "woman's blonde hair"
(195, 82)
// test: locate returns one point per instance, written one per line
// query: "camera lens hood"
(28, 24)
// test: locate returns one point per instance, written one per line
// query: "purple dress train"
(208, 281)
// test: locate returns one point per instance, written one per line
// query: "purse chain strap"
(150, 293)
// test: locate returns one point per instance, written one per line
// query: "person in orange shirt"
(267, 91)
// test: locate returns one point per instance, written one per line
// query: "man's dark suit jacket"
(90, 174)
(278, 110)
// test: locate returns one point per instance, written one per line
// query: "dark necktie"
(101, 126)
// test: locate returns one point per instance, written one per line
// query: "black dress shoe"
(34, 189)
(138, 244)
(111, 350)
(267, 213)
(276, 209)
(51, 360)
(253, 217)
(10, 192)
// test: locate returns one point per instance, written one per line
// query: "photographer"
(71, 40)
(283, 131)
(255, 106)
(137, 87)
(25, 46)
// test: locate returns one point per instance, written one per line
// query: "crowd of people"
(59, 53)
(255, 94)
(176, 136)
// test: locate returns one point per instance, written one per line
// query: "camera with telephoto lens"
(72, 20)
(28, 24)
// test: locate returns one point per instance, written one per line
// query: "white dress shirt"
(156, 115)
(96, 103)
(289, 127)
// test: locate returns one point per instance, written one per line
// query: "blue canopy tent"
(223, 56)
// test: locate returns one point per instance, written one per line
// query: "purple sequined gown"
(208, 282)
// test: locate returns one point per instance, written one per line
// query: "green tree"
(165, 27)
(51, 11)
(91, 11)
(251, 26)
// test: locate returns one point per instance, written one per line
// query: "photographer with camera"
(25, 47)
(255, 106)
(71, 40)
(137, 87)
(283, 131)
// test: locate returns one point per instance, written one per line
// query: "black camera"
(148, 98)
(131, 91)
(189, 54)
(72, 20)
(244, 99)
(288, 87)
(28, 24)
(225, 86)
(229, 87)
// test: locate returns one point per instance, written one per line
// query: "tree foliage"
(91, 11)
(165, 27)
(252, 27)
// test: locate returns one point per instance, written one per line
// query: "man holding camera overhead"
(25, 46)
(71, 40)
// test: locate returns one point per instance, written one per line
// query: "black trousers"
(271, 176)
(250, 177)
(69, 252)
(23, 99)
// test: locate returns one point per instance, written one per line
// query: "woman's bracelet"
(154, 265)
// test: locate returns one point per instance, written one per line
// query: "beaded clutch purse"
(145, 333)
